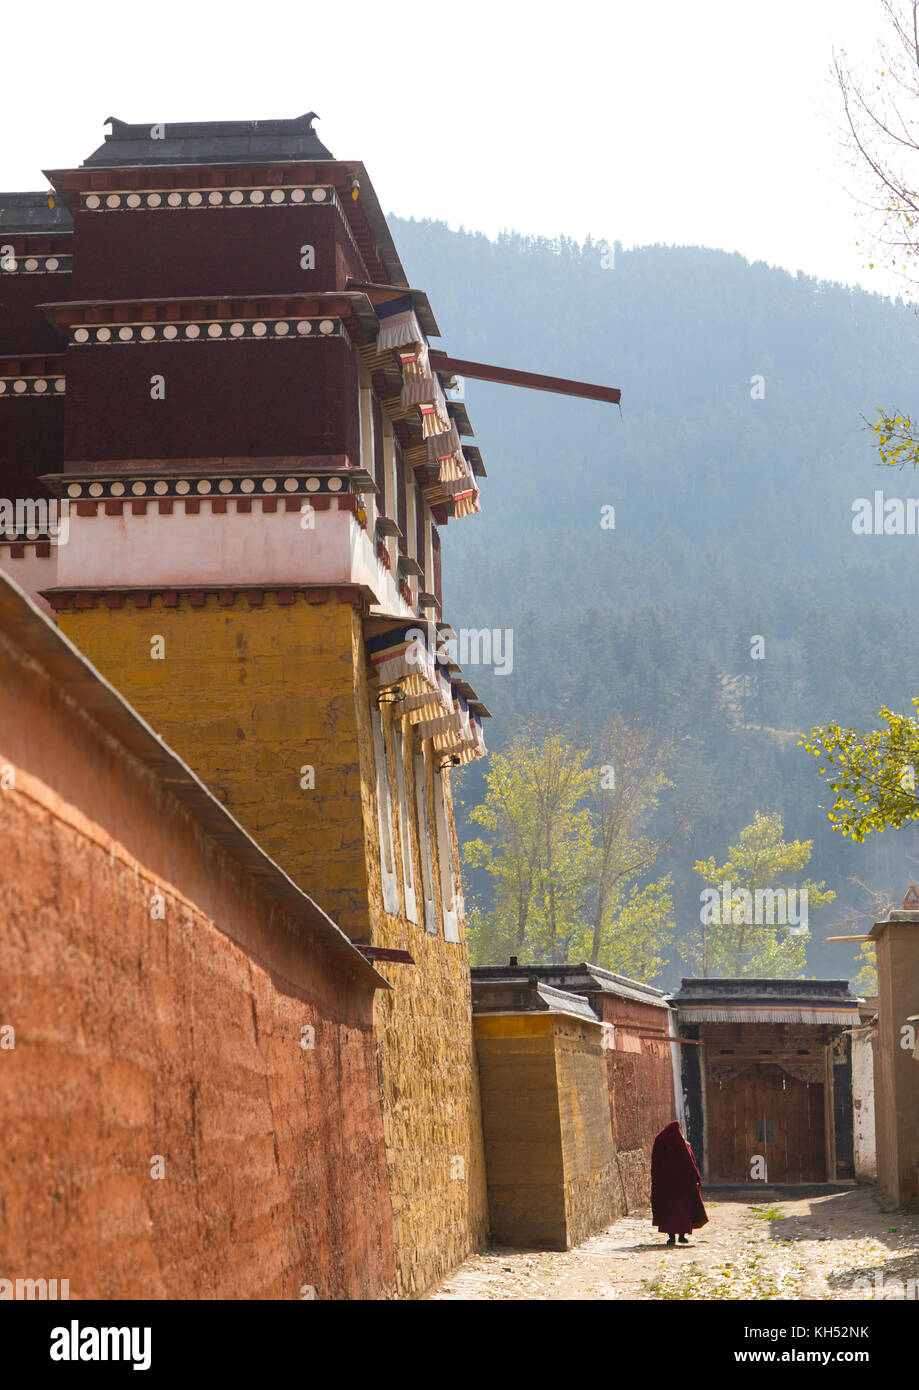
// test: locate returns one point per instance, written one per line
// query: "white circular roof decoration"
(113, 201)
(19, 387)
(125, 334)
(281, 328)
(237, 329)
(147, 333)
(96, 489)
(2, 388)
(318, 195)
(81, 335)
(103, 335)
(160, 487)
(256, 196)
(41, 386)
(74, 490)
(52, 263)
(236, 196)
(174, 200)
(297, 195)
(117, 489)
(215, 197)
(313, 484)
(269, 485)
(194, 200)
(153, 200)
(170, 331)
(182, 486)
(304, 326)
(214, 330)
(247, 485)
(203, 485)
(59, 384)
(31, 263)
(192, 330)
(92, 201)
(278, 195)
(290, 485)
(335, 485)
(327, 326)
(259, 329)
(138, 488)
(226, 484)
(133, 200)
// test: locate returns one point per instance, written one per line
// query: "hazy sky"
(711, 123)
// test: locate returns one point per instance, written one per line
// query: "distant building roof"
(208, 142)
(508, 991)
(581, 977)
(766, 1001)
(29, 212)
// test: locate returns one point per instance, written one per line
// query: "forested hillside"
(733, 519)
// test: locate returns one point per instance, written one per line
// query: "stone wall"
(166, 1133)
(548, 1140)
(249, 696)
(640, 1072)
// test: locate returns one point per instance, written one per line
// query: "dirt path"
(813, 1247)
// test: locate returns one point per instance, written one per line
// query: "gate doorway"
(760, 1109)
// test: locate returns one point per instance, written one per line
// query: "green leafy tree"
(566, 849)
(872, 775)
(737, 937)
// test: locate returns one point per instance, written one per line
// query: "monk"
(676, 1201)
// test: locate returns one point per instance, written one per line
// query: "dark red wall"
(640, 1089)
(24, 329)
(209, 252)
(223, 400)
(31, 443)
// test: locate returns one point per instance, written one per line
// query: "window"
(408, 878)
(384, 815)
(445, 860)
(424, 843)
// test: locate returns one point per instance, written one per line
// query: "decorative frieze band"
(63, 600)
(161, 200)
(290, 484)
(16, 386)
(208, 331)
(11, 264)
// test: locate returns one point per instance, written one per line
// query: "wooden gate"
(758, 1108)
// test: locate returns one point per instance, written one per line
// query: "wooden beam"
(507, 376)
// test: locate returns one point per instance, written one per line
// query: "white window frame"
(424, 842)
(445, 859)
(408, 876)
(384, 815)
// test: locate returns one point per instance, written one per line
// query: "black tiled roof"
(208, 142)
(29, 212)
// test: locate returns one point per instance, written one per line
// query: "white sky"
(708, 123)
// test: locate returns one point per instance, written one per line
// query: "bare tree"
(881, 128)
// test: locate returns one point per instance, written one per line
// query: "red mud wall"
(178, 1038)
(640, 1090)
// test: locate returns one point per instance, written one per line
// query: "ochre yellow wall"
(432, 1120)
(552, 1178)
(247, 697)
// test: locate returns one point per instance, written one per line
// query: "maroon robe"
(676, 1202)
